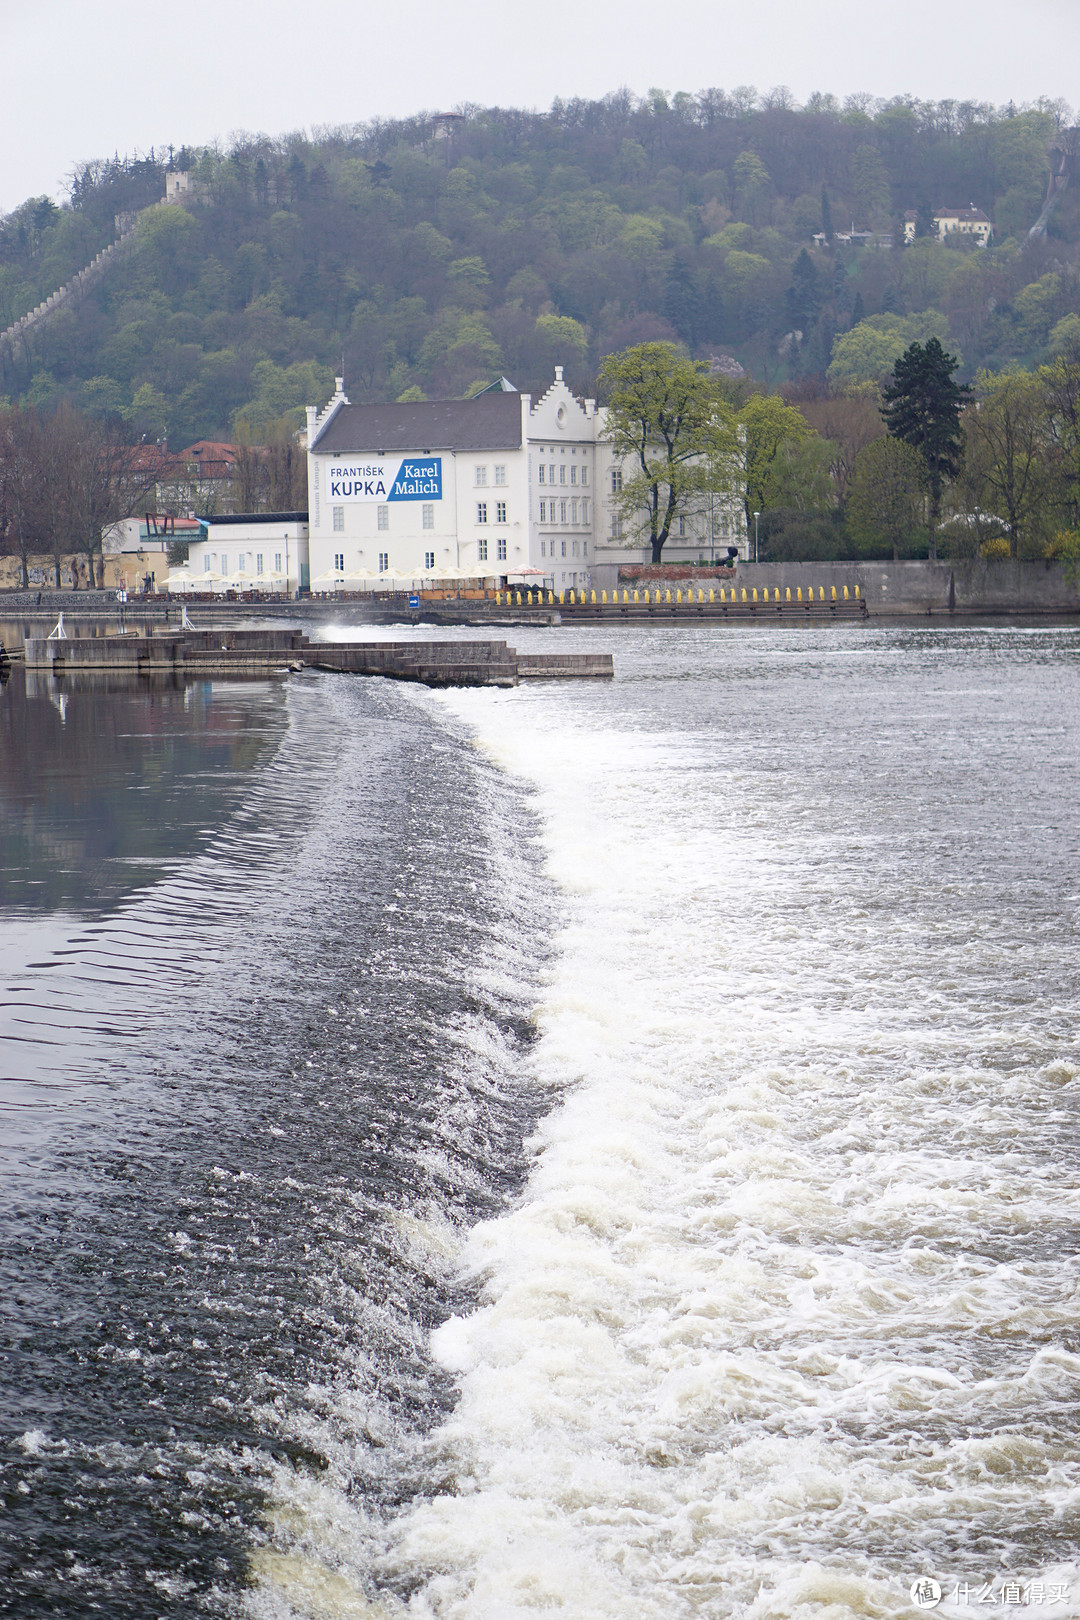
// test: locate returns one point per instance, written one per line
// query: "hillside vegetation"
(427, 266)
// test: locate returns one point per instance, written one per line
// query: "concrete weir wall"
(224, 652)
(931, 588)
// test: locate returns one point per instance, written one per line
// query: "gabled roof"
(489, 422)
(976, 215)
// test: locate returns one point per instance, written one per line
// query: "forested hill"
(525, 239)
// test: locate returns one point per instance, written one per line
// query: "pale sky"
(85, 78)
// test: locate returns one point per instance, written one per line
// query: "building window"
(564, 548)
(500, 550)
(427, 517)
(500, 511)
(500, 475)
(384, 561)
(543, 548)
(339, 562)
(575, 548)
(339, 519)
(562, 472)
(543, 470)
(584, 511)
(481, 511)
(616, 480)
(551, 474)
(383, 519)
(206, 564)
(573, 511)
(481, 475)
(682, 528)
(543, 511)
(584, 548)
(258, 562)
(562, 511)
(224, 562)
(481, 550)
(429, 559)
(573, 473)
(616, 526)
(584, 475)
(277, 562)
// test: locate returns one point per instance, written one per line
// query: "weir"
(253, 652)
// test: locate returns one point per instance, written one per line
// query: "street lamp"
(756, 551)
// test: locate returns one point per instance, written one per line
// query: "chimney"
(558, 373)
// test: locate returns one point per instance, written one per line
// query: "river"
(592, 1149)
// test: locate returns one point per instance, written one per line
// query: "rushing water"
(598, 1150)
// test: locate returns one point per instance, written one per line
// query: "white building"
(970, 221)
(494, 487)
(245, 546)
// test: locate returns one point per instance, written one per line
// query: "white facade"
(535, 501)
(253, 545)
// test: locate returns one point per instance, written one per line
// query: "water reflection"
(105, 779)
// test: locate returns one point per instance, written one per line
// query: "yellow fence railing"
(689, 596)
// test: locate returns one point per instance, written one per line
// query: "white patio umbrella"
(332, 576)
(178, 580)
(270, 582)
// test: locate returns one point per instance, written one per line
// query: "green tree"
(885, 496)
(768, 426)
(1007, 459)
(922, 406)
(1061, 391)
(676, 436)
(870, 350)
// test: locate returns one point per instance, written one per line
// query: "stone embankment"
(199, 653)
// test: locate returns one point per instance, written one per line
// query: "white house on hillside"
(490, 487)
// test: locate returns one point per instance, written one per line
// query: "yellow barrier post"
(592, 597)
(787, 593)
(667, 595)
(744, 593)
(846, 598)
(856, 593)
(712, 594)
(834, 593)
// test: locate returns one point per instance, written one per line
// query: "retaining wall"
(915, 587)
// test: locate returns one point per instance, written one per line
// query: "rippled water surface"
(600, 1150)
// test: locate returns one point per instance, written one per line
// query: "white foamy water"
(786, 1317)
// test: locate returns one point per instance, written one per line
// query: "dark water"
(265, 958)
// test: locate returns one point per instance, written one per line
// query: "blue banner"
(418, 479)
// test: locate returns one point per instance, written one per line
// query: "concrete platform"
(260, 652)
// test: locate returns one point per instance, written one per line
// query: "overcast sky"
(85, 78)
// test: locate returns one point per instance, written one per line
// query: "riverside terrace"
(198, 653)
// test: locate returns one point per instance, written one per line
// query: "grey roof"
(254, 517)
(490, 422)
